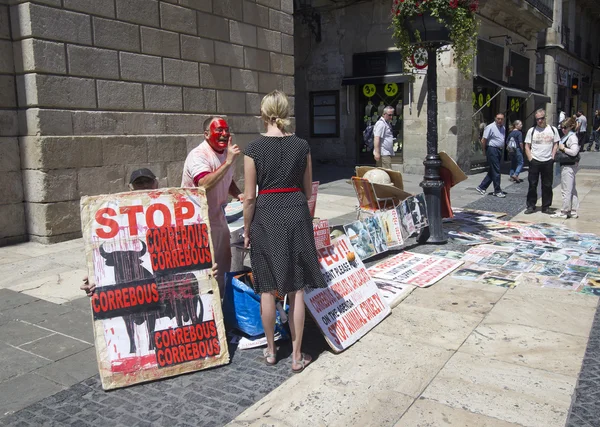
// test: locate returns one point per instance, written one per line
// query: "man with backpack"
(383, 139)
(541, 143)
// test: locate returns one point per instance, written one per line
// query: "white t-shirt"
(543, 141)
(202, 160)
(383, 130)
(583, 123)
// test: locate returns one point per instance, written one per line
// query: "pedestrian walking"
(383, 140)
(515, 149)
(540, 148)
(492, 143)
(278, 224)
(596, 132)
(568, 145)
(581, 129)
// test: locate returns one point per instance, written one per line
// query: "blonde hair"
(514, 125)
(275, 109)
(571, 122)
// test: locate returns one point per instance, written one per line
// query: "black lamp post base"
(433, 196)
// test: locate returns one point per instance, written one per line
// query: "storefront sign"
(351, 305)
(157, 310)
(563, 76)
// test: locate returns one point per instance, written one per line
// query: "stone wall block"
(56, 185)
(93, 7)
(253, 103)
(97, 123)
(231, 9)
(215, 76)
(123, 150)
(199, 100)
(114, 95)
(274, 4)
(229, 54)
(268, 40)
(287, 6)
(230, 102)
(186, 124)
(141, 68)
(202, 5)
(287, 44)
(52, 152)
(179, 19)
(245, 124)
(33, 56)
(11, 187)
(197, 49)
(8, 123)
(160, 42)
(183, 73)
(6, 57)
(51, 219)
(8, 94)
(4, 23)
(244, 34)
(33, 20)
(166, 149)
(36, 121)
(192, 141)
(174, 173)
(138, 11)
(116, 35)
(256, 59)
(12, 222)
(280, 21)
(213, 27)
(144, 123)
(269, 82)
(56, 91)
(244, 80)
(10, 159)
(163, 98)
(289, 87)
(93, 62)
(256, 14)
(104, 180)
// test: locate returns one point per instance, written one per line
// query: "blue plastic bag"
(241, 306)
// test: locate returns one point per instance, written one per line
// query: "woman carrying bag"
(515, 148)
(568, 157)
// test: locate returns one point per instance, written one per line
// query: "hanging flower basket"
(417, 23)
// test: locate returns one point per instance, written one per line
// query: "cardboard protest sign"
(312, 202)
(351, 305)
(321, 232)
(415, 269)
(156, 309)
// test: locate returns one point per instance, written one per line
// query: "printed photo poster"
(312, 202)
(393, 292)
(375, 229)
(417, 269)
(360, 239)
(156, 309)
(418, 208)
(406, 220)
(351, 305)
(392, 229)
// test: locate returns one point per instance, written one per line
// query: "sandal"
(269, 356)
(304, 362)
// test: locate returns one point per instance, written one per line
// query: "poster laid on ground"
(351, 305)
(156, 309)
(321, 232)
(392, 230)
(415, 269)
(393, 292)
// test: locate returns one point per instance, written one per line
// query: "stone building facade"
(93, 89)
(335, 39)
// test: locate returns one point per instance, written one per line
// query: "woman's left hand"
(246, 242)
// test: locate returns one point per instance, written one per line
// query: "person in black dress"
(278, 224)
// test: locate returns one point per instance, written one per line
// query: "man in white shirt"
(581, 129)
(210, 165)
(383, 139)
(541, 143)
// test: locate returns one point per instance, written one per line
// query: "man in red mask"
(210, 165)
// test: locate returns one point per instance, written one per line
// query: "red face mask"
(218, 135)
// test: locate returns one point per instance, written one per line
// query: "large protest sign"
(156, 308)
(351, 305)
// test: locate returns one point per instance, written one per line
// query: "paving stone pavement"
(64, 365)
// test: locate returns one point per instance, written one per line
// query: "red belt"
(280, 190)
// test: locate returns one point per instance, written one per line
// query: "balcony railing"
(544, 6)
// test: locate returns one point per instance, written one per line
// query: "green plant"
(458, 16)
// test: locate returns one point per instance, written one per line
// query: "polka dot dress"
(282, 246)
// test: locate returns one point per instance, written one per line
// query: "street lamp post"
(432, 183)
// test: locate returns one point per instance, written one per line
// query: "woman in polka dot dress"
(278, 223)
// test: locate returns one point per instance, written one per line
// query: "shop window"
(324, 114)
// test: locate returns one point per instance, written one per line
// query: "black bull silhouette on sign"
(179, 293)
